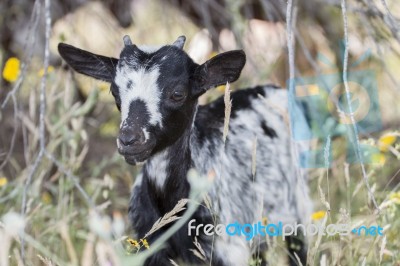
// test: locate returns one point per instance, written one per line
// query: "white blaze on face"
(143, 87)
(149, 48)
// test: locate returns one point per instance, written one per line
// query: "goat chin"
(141, 163)
(132, 161)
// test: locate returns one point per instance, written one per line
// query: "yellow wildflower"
(145, 244)
(3, 181)
(49, 70)
(213, 53)
(11, 69)
(378, 158)
(395, 197)
(103, 86)
(221, 88)
(318, 215)
(264, 220)
(46, 197)
(386, 141)
(133, 242)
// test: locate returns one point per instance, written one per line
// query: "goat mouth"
(135, 160)
(135, 156)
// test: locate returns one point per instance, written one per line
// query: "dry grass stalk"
(347, 174)
(4, 250)
(70, 246)
(45, 261)
(323, 200)
(313, 251)
(18, 257)
(168, 217)
(298, 259)
(207, 201)
(348, 97)
(364, 261)
(254, 157)
(198, 254)
(323, 260)
(382, 249)
(228, 107)
(199, 251)
(88, 250)
(106, 254)
(173, 263)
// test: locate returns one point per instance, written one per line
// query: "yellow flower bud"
(3, 181)
(11, 69)
(318, 215)
(386, 141)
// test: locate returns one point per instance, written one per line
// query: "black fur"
(180, 135)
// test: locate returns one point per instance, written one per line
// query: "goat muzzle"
(134, 145)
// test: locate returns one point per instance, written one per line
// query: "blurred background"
(52, 192)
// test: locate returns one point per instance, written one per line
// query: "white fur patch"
(138, 180)
(149, 48)
(157, 168)
(146, 134)
(143, 87)
(233, 250)
(280, 193)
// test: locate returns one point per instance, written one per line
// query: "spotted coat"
(163, 127)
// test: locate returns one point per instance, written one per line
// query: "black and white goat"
(157, 91)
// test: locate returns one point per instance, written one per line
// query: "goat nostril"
(129, 139)
(126, 139)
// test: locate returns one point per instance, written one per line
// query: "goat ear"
(93, 65)
(225, 67)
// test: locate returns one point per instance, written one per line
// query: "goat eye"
(178, 95)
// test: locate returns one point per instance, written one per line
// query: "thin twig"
(388, 19)
(42, 108)
(42, 112)
(391, 21)
(290, 42)
(29, 180)
(356, 141)
(290, 23)
(14, 135)
(42, 99)
(34, 21)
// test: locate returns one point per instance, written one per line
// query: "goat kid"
(157, 90)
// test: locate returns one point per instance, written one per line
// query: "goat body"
(238, 196)
(162, 124)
